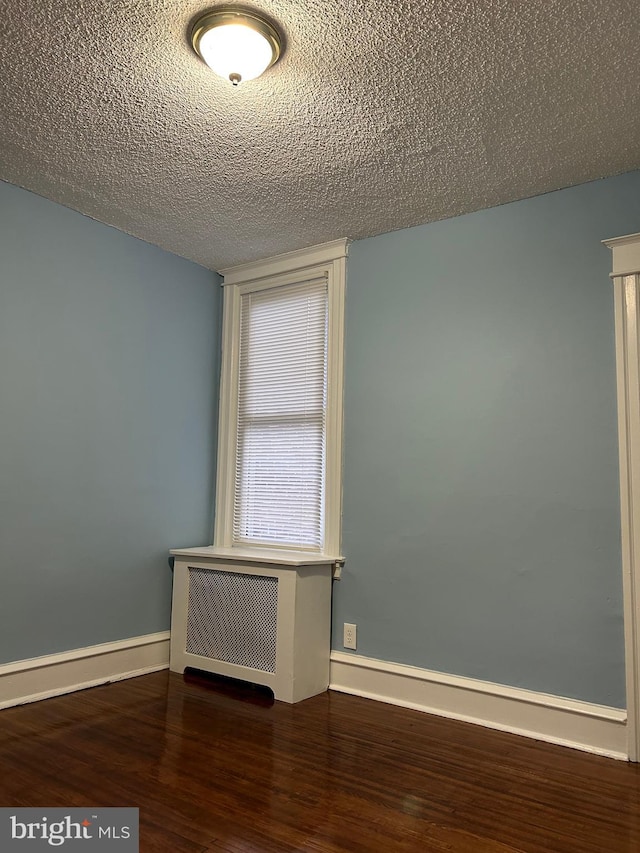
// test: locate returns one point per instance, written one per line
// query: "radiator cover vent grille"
(233, 618)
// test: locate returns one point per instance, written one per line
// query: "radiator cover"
(264, 619)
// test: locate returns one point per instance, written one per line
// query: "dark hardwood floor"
(227, 770)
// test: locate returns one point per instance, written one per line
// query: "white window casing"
(279, 472)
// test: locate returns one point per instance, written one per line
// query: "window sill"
(273, 556)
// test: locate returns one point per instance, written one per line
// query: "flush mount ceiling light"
(236, 44)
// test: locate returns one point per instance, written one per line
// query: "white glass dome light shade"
(236, 52)
(237, 45)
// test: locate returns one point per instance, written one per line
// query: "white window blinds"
(280, 446)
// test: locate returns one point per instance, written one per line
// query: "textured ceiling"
(379, 116)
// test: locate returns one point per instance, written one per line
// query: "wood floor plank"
(219, 768)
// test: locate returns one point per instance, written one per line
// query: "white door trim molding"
(567, 722)
(626, 284)
(52, 675)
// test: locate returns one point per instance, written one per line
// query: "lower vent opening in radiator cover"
(232, 617)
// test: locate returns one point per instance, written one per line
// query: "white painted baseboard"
(52, 675)
(569, 722)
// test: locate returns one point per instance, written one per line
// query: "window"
(280, 436)
(279, 452)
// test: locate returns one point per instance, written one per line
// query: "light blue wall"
(481, 505)
(108, 366)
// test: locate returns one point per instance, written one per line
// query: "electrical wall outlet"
(349, 641)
